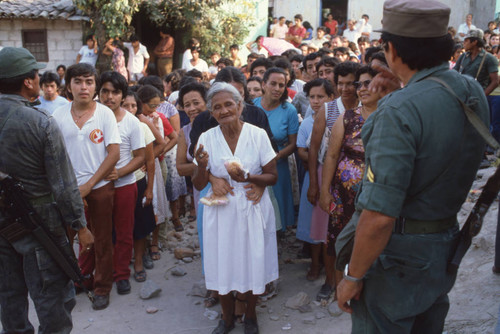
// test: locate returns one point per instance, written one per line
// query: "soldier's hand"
(346, 291)
(385, 81)
(86, 240)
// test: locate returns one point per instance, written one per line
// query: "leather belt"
(404, 225)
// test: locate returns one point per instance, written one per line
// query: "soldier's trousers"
(25, 267)
(406, 289)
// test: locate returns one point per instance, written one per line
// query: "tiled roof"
(40, 9)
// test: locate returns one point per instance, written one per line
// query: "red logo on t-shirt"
(96, 136)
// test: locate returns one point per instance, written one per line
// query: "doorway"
(339, 10)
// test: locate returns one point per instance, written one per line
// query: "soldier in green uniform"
(32, 151)
(422, 155)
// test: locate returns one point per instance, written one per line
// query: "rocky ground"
(178, 307)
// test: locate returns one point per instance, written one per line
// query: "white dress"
(239, 239)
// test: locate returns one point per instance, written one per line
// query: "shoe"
(324, 293)
(222, 328)
(100, 302)
(177, 225)
(147, 262)
(123, 287)
(251, 326)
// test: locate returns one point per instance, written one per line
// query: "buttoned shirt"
(465, 65)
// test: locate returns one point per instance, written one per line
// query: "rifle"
(26, 221)
(474, 222)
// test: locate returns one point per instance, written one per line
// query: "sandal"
(191, 218)
(140, 276)
(155, 255)
(211, 301)
(177, 225)
(324, 293)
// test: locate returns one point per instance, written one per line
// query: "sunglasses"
(153, 106)
(359, 84)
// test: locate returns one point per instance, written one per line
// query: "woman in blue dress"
(284, 123)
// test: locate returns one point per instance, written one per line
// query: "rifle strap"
(480, 66)
(473, 118)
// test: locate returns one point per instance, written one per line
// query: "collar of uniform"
(427, 73)
(15, 98)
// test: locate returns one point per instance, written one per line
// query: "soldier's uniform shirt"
(466, 65)
(410, 140)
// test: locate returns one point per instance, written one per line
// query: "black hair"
(192, 87)
(369, 52)
(134, 38)
(380, 56)
(186, 80)
(324, 52)
(195, 74)
(290, 53)
(225, 61)
(173, 78)
(278, 70)
(195, 48)
(363, 39)
(286, 65)
(49, 77)
(344, 69)
(353, 47)
(255, 78)
(299, 16)
(457, 46)
(297, 58)
(365, 69)
(480, 42)
(81, 70)
(322, 28)
(307, 25)
(319, 83)
(267, 63)
(192, 42)
(15, 84)
(309, 57)
(342, 50)
(147, 92)
(258, 37)
(281, 17)
(131, 92)
(89, 37)
(232, 74)
(328, 62)
(61, 66)
(420, 53)
(117, 80)
(155, 81)
(234, 46)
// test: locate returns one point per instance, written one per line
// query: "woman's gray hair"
(220, 87)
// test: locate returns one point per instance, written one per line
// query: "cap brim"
(40, 66)
(378, 30)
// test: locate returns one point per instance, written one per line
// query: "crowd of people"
(247, 150)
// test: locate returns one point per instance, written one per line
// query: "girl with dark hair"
(284, 124)
(144, 219)
(254, 87)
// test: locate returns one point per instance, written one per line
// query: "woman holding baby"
(239, 238)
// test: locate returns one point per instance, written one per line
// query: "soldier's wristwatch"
(350, 278)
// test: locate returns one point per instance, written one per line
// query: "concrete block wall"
(64, 38)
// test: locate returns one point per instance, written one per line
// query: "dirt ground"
(474, 300)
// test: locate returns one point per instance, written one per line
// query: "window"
(36, 42)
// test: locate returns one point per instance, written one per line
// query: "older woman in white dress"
(239, 238)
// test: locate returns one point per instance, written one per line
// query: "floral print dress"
(348, 176)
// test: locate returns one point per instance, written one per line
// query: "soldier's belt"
(42, 200)
(404, 225)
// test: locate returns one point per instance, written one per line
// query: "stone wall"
(64, 38)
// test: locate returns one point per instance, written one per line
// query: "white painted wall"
(310, 10)
(64, 38)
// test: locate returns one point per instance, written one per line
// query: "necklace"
(77, 118)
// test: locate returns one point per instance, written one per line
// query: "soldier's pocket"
(52, 277)
(404, 289)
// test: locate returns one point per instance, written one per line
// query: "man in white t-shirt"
(280, 29)
(132, 155)
(93, 143)
(138, 59)
(88, 53)
(364, 27)
(464, 28)
(50, 100)
(353, 32)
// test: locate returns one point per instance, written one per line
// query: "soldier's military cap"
(17, 61)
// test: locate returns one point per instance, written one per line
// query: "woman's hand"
(254, 192)
(201, 157)
(325, 199)
(312, 194)
(237, 174)
(220, 187)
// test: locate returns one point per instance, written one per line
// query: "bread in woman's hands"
(214, 200)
